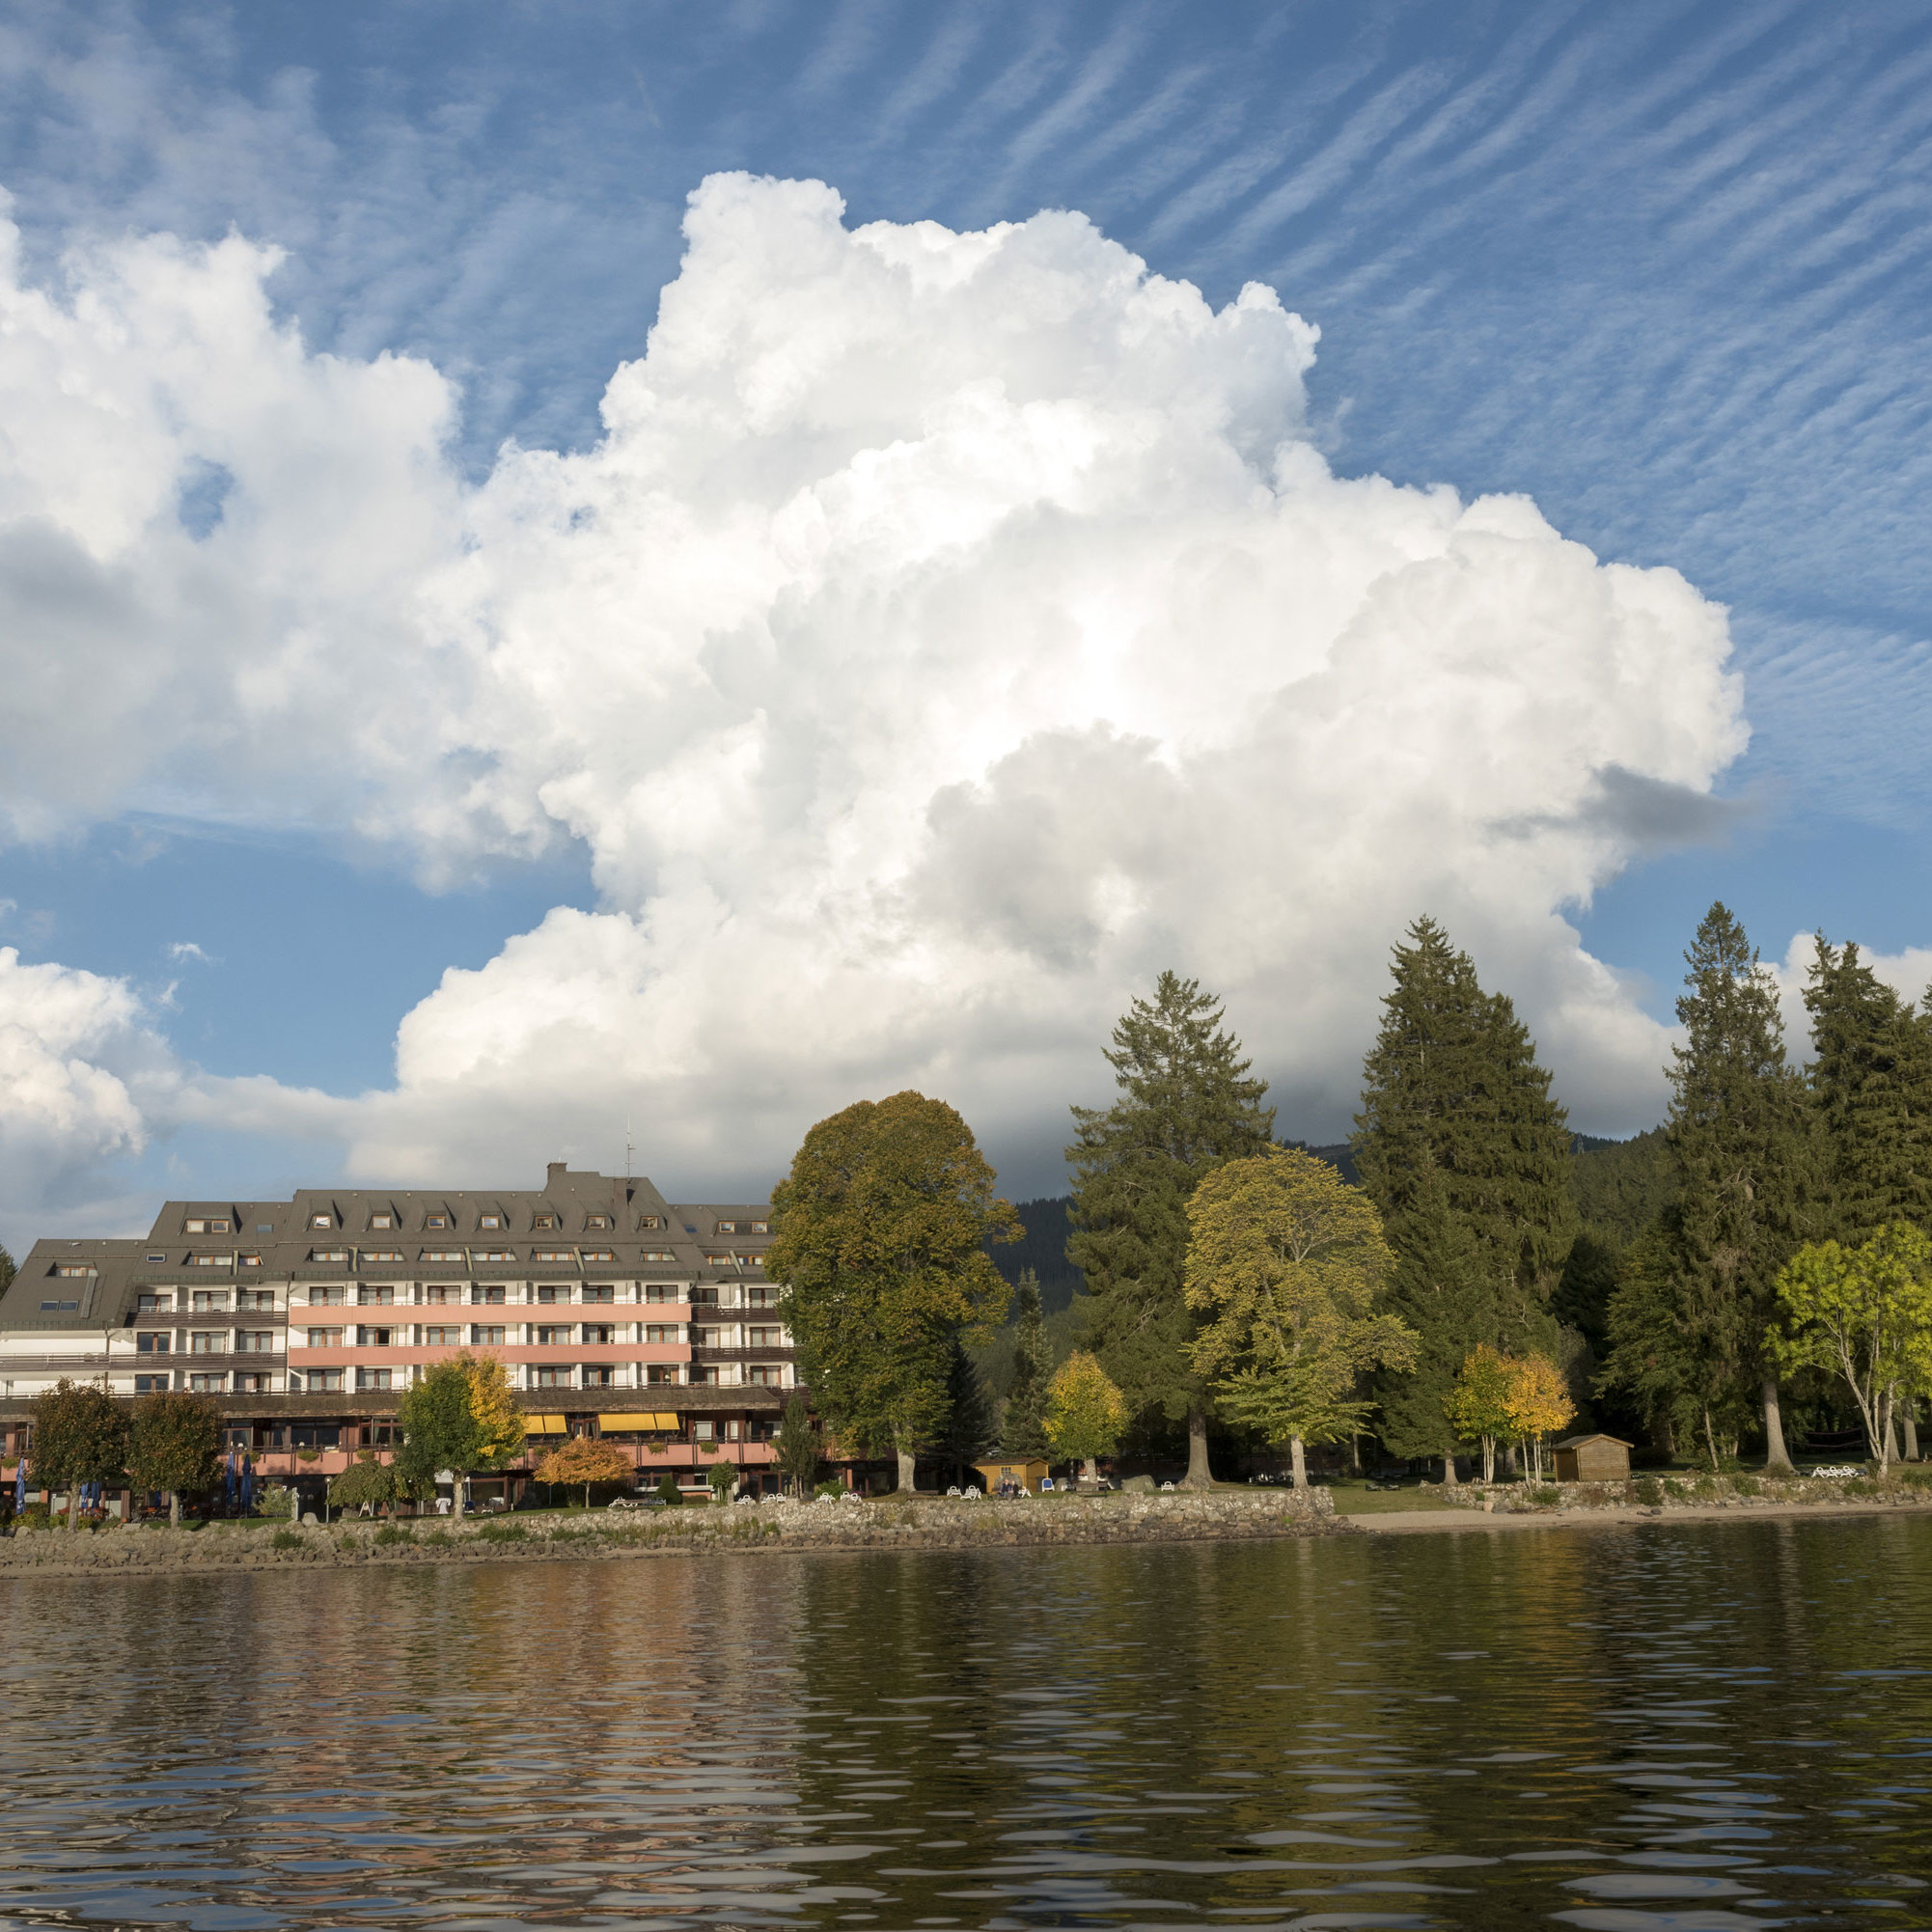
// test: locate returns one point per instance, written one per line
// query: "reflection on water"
(1675, 1727)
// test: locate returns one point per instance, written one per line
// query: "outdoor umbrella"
(20, 1485)
(228, 1484)
(247, 1484)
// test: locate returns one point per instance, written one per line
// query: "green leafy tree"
(80, 1435)
(881, 1233)
(1187, 1104)
(1740, 1136)
(463, 1417)
(1466, 1155)
(1023, 1425)
(364, 1483)
(174, 1443)
(1085, 1413)
(724, 1480)
(7, 1270)
(1864, 1315)
(1477, 1406)
(1287, 1266)
(667, 1492)
(1871, 1081)
(797, 1447)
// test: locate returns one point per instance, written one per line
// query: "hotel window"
(554, 1337)
(597, 1222)
(703, 1429)
(442, 1253)
(162, 1344)
(381, 1254)
(249, 1261)
(261, 1300)
(598, 1334)
(374, 1378)
(663, 1331)
(760, 1297)
(645, 1222)
(493, 1254)
(660, 1374)
(489, 1221)
(761, 1227)
(251, 1385)
(486, 1336)
(705, 1294)
(764, 1375)
(442, 1297)
(551, 1378)
(71, 1270)
(543, 1223)
(264, 1227)
(764, 1337)
(596, 1377)
(328, 1254)
(382, 1220)
(721, 1260)
(326, 1337)
(322, 1380)
(659, 1293)
(375, 1298)
(155, 1260)
(600, 1295)
(255, 1341)
(552, 1255)
(206, 1227)
(659, 1254)
(600, 1254)
(551, 1297)
(210, 1301)
(321, 1221)
(488, 1298)
(156, 1304)
(153, 1384)
(446, 1336)
(211, 1260)
(326, 1298)
(731, 1227)
(373, 1338)
(209, 1385)
(436, 1220)
(707, 1377)
(705, 1338)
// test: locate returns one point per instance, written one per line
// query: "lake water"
(1668, 1727)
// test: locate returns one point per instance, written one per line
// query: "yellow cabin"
(1593, 1459)
(996, 1476)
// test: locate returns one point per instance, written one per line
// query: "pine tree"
(1871, 1093)
(1462, 1149)
(1738, 1134)
(1187, 1104)
(1023, 1428)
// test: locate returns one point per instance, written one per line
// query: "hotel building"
(614, 1313)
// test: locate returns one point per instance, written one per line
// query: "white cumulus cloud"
(949, 632)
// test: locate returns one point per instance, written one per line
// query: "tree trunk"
(1910, 1435)
(1510, 1466)
(457, 1496)
(906, 1474)
(1300, 1462)
(175, 1508)
(1198, 1477)
(1090, 1471)
(73, 1503)
(1448, 1469)
(1710, 1441)
(1777, 1455)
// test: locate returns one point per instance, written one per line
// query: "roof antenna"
(628, 1152)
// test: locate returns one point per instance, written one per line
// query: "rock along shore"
(889, 1523)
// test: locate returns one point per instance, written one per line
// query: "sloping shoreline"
(891, 1523)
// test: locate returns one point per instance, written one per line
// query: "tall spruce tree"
(1187, 1104)
(1739, 1136)
(1466, 1154)
(1023, 1425)
(1871, 1093)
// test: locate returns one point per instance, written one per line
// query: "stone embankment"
(890, 1523)
(1906, 1487)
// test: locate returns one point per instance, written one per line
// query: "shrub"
(1746, 1486)
(830, 1490)
(501, 1532)
(390, 1534)
(437, 1539)
(285, 1539)
(667, 1490)
(1546, 1497)
(1648, 1491)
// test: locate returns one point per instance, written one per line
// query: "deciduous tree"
(364, 1483)
(881, 1231)
(797, 1447)
(1085, 1412)
(80, 1435)
(1864, 1315)
(1538, 1404)
(1188, 1103)
(1477, 1406)
(174, 1443)
(586, 1460)
(1288, 1267)
(463, 1417)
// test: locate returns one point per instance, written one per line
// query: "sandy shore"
(1457, 1521)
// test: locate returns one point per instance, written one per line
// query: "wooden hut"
(997, 1475)
(1592, 1459)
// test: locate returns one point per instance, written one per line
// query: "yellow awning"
(651, 1422)
(543, 1425)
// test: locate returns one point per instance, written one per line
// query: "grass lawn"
(1354, 1498)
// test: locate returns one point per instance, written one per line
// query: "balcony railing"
(774, 1353)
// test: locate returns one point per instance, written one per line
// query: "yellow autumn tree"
(586, 1460)
(499, 1415)
(1537, 1404)
(1085, 1412)
(1288, 1264)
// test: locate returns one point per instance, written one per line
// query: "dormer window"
(207, 1225)
(731, 1227)
(437, 1221)
(648, 1221)
(761, 1227)
(74, 1270)
(321, 1221)
(490, 1220)
(382, 1220)
(597, 1221)
(543, 1222)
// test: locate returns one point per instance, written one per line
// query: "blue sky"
(1661, 268)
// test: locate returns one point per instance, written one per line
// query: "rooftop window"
(328, 1254)
(647, 1222)
(436, 1220)
(597, 1221)
(249, 1261)
(70, 1269)
(659, 1254)
(59, 1308)
(733, 1228)
(442, 1253)
(216, 1226)
(552, 1255)
(600, 1253)
(543, 1221)
(490, 1220)
(761, 1227)
(382, 1254)
(493, 1254)
(321, 1221)
(264, 1227)
(156, 1261)
(382, 1220)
